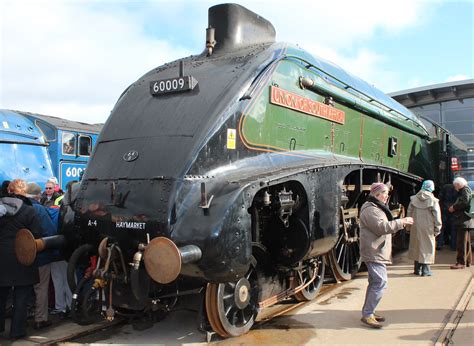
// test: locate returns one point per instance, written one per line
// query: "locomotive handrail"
(366, 105)
(24, 142)
(320, 85)
(348, 86)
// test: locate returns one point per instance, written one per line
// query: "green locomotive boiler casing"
(245, 156)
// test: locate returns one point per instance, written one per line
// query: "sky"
(73, 58)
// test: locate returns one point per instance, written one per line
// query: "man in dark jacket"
(447, 197)
(18, 214)
(49, 195)
(43, 259)
(463, 222)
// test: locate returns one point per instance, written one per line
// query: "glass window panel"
(69, 143)
(461, 127)
(85, 145)
(459, 114)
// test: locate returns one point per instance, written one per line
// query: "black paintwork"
(180, 143)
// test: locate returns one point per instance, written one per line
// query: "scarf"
(381, 206)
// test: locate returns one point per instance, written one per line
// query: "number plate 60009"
(172, 85)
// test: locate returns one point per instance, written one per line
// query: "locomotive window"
(69, 143)
(85, 145)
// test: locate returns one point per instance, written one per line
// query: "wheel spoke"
(228, 316)
(305, 275)
(228, 296)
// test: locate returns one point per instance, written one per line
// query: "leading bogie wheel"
(232, 307)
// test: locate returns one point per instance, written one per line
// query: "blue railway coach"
(23, 152)
(70, 144)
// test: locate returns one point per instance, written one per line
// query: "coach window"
(69, 143)
(85, 145)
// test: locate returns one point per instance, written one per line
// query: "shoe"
(417, 273)
(62, 315)
(457, 266)
(371, 322)
(379, 318)
(55, 312)
(468, 265)
(42, 324)
(427, 274)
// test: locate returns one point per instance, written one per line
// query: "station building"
(452, 106)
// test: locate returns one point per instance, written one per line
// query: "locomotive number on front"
(178, 84)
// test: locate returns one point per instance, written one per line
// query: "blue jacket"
(48, 228)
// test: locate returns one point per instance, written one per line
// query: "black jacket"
(19, 214)
(462, 207)
(44, 199)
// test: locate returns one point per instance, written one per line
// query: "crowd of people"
(24, 205)
(431, 223)
(428, 224)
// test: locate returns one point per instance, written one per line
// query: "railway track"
(69, 332)
(175, 325)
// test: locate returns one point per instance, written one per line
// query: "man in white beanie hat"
(464, 223)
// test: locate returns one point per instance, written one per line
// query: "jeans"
(19, 317)
(377, 284)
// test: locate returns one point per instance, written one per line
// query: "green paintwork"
(272, 127)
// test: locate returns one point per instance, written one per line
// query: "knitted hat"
(428, 185)
(377, 188)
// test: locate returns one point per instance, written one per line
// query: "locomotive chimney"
(234, 27)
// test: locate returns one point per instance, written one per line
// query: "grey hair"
(460, 181)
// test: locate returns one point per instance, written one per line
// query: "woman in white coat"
(425, 210)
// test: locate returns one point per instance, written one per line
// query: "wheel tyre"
(344, 259)
(91, 307)
(229, 315)
(72, 264)
(312, 290)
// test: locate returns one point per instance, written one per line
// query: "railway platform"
(419, 310)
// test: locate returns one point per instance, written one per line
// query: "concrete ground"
(419, 310)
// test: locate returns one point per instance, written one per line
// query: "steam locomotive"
(238, 172)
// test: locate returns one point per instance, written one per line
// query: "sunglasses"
(49, 188)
